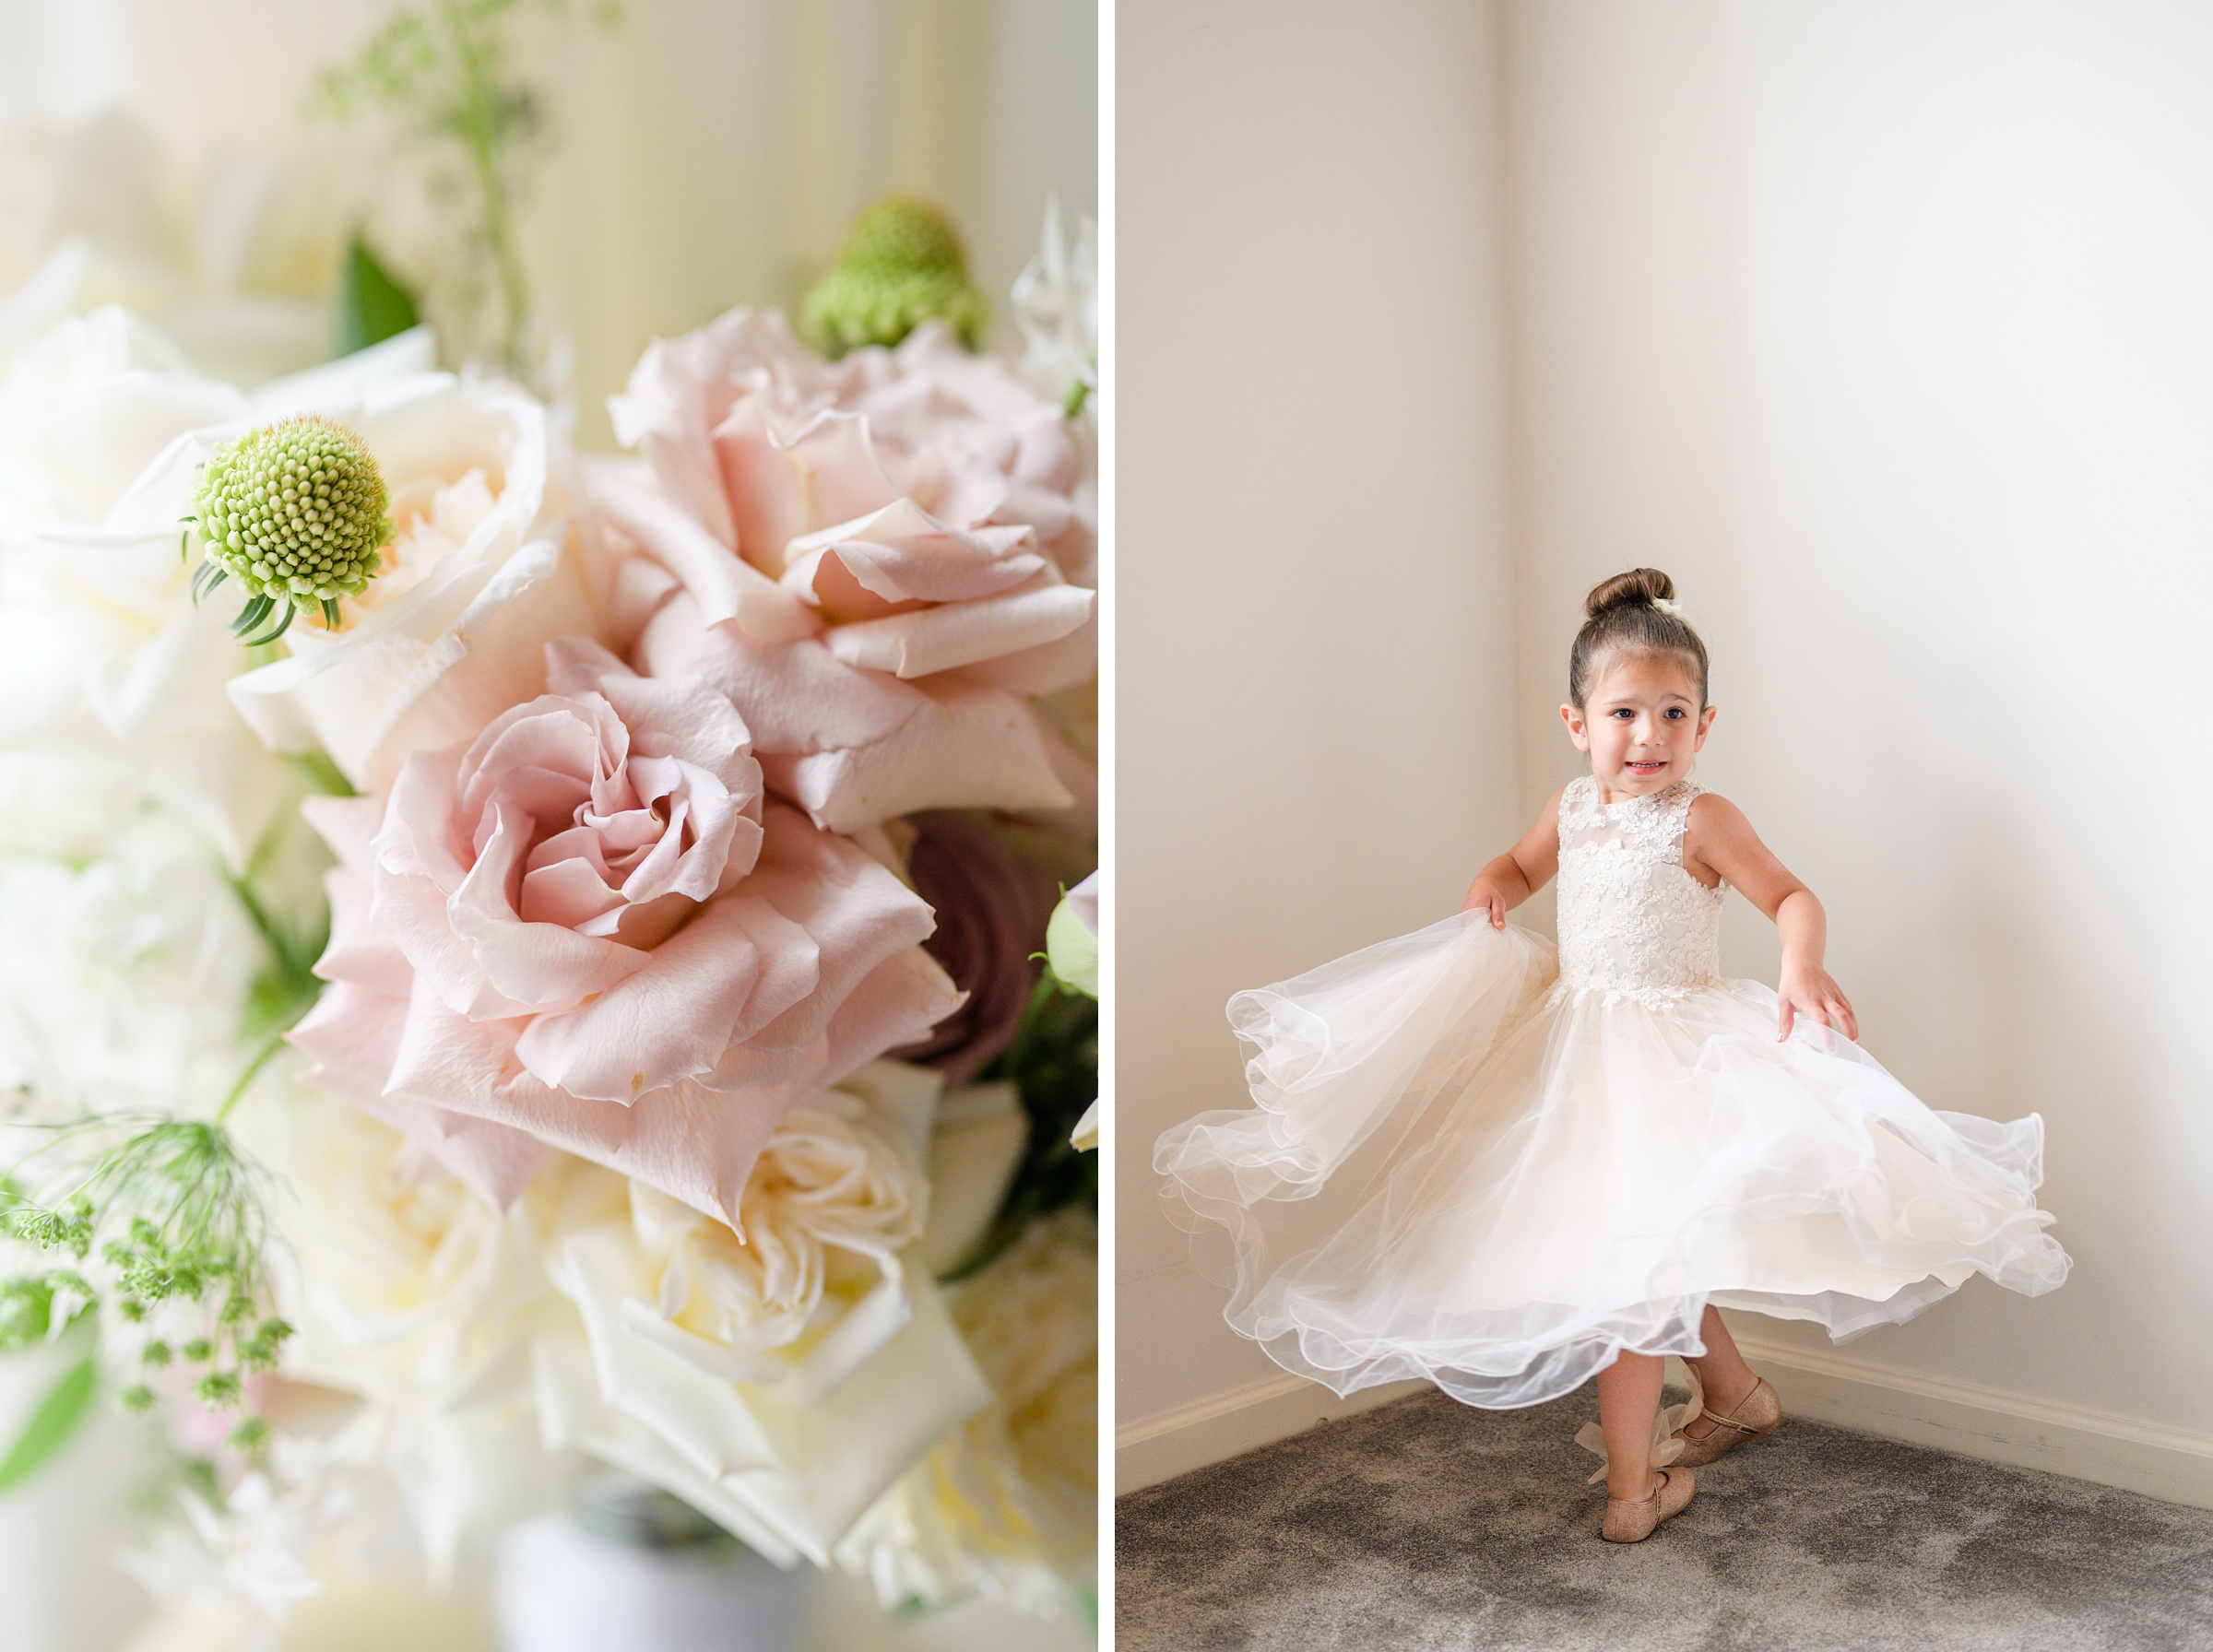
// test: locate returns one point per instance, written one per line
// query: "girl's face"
(1641, 723)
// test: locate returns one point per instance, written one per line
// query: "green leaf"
(1054, 1063)
(373, 305)
(56, 1417)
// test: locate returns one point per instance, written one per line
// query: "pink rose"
(874, 559)
(587, 929)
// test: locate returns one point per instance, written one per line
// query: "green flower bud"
(902, 265)
(136, 1398)
(295, 511)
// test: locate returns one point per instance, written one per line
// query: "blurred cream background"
(707, 153)
(1887, 328)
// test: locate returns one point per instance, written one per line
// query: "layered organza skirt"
(1459, 1171)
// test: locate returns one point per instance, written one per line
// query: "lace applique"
(1633, 922)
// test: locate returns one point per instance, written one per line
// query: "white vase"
(591, 1580)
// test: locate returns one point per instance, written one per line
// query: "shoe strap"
(1660, 1479)
(1730, 1420)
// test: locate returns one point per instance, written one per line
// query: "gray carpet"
(1426, 1525)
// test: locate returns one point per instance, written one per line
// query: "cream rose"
(103, 433)
(873, 559)
(1007, 1507)
(782, 1383)
(411, 1293)
(490, 563)
(103, 654)
(585, 929)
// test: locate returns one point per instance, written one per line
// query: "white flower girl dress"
(1472, 1166)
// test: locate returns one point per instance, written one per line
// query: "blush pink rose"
(878, 560)
(587, 929)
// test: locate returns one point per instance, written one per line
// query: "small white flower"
(1056, 303)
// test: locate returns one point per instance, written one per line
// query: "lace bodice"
(1633, 922)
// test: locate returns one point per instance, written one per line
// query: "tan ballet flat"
(1632, 1522)
(1759, 1412)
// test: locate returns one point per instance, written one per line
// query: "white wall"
(1887, 329)
(1314, 597)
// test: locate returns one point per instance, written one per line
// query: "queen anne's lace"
(1634, 922)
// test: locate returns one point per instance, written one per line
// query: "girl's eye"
(1675, 712)
(1623, 711)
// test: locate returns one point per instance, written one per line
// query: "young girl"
(1505, 1175)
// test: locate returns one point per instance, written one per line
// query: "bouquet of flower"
(511, 960)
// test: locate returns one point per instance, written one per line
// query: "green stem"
(479, 126)
(269, 1046)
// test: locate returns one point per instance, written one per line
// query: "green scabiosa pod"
(902, 265)
(294, 512)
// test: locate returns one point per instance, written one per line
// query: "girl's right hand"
(1485, 897)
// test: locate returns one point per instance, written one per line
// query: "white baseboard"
(1969, 1418)
(1170, 1442)
(2172, 1464)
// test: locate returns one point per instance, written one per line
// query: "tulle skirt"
(1456, 1171)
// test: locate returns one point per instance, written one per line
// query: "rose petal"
(778, 490)
(901, 553)
(726, 587)
(670, 1020)
(854, 910)
(349, 825)
(967, 747)
(692, 1144)
(360, 951)
(540, 967)
(353, 1036)
(568, 893)
(1046, 668)
(795, 697)
(963, 633)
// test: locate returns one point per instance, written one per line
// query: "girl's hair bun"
(1625, 617)
(1645, 585)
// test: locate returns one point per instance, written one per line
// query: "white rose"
(781, 1384)
(411, 1291)
(124, 977)
(103, 428)
(233, 259)
(1007, 1507)
(490, 564)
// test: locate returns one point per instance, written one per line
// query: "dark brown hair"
(1622, 619)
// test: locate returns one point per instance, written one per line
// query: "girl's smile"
(1641, 723)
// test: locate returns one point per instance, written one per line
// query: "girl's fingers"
(1497, 912)
(1785, 1019)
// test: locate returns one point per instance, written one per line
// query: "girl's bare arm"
(1720, 839)
(1522, 870)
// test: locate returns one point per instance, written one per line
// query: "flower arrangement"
(512, 961)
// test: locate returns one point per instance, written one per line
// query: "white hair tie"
(1668, 605)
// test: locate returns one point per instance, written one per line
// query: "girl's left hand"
(1814, 994)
